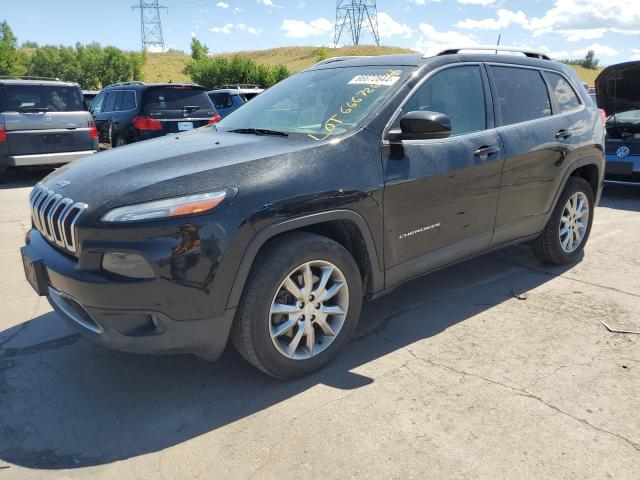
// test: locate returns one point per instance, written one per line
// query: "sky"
(563, 28)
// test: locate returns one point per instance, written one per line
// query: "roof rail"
(118, 84)
(340, 59)
(28, 77)
(492, 48)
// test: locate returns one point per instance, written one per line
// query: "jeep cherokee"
(337, 184)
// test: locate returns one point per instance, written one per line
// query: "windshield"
(176, 99)
(631, 116)
(50, 98)
(318, 103)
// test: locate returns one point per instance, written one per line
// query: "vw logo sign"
(623, 152)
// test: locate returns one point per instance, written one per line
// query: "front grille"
(55, 216)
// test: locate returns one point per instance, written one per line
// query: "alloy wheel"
(574, 222)
(308, 310)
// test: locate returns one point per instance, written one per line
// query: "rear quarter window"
(53, 98)
(563, 92)
(522, 94)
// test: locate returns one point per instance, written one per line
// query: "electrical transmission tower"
(356, 15)
(150, 24)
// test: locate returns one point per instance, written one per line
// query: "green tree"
(323, 54)
(212, 72)
(590, 61)
(12, 61)
(198, 49)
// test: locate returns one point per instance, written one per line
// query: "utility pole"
(354, 15)
(150, 24)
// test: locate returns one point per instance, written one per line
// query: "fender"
(598, 162)
(264, 235)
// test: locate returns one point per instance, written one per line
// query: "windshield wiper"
(190, 109)
(260, 131)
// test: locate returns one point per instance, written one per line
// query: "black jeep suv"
(337, 184)
(133, 111)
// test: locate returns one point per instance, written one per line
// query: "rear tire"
(119, 141)
(286, 328)
(566, 234)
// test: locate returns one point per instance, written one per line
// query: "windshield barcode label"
(382, 80)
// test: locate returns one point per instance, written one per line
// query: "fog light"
(127, 264)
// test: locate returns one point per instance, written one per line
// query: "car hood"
(197, 161)
(618, 88)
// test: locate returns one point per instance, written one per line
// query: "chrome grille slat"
(55, 216)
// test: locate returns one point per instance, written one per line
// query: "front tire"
(300, 306)
(565, 236)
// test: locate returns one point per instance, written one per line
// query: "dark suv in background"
(337, 184)
(43, 121)
(134, 111)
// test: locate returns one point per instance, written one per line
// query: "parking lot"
(499, 367)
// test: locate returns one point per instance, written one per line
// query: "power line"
(150, 24)
(354, 15)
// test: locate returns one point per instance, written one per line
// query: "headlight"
(170, 207)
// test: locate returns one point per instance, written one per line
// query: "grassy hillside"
(587, 75)
(162, 67)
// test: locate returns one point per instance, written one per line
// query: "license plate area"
(619, 168)
(35, 270)
(184, 126)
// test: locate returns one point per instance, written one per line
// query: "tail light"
(93, 131)
(214, 119)
(147, 123)
(603, 116)
(3, 133)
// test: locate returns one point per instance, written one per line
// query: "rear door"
(44, 118)
(441, 195)
(178, 108)
(535, 145)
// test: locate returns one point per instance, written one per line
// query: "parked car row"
(45, 121)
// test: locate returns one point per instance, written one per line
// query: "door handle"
(486, 150)
(563, 134)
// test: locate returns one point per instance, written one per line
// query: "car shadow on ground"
(66, 403)
(621, 197)
(23, 177)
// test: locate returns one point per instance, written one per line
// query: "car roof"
(35, 81)
(143, 85)
(420, 60)
(237, 91)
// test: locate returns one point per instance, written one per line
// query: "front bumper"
(625, 169)
(125, 316)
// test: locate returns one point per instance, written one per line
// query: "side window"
(457, 92)
(222, 100)
(128, 100)
(522, 94)
(98, 102)
(118, 105)
(110, 102)
(564, 93)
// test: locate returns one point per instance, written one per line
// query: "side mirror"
(420, 125)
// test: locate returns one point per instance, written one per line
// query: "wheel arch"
(589, 168)
(345, 227)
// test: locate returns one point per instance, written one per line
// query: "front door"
(441, 196)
